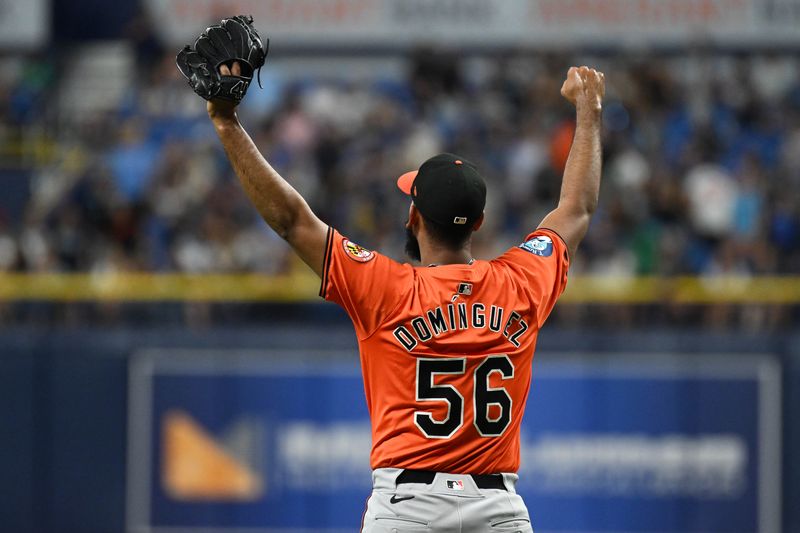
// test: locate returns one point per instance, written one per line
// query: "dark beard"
(412, 246)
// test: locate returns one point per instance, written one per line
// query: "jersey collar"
(436, 264)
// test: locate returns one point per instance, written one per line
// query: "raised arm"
(279, 203)
(585, 88)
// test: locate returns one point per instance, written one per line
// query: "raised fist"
(584, 87)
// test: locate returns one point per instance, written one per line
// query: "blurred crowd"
(701, 172)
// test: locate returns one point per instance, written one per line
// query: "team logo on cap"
(356, 252)
(540, 245)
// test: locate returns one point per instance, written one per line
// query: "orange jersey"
(446, 351)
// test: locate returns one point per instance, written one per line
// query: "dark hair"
(451, 236)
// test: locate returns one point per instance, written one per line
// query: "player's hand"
(219, 109)
(585, 87)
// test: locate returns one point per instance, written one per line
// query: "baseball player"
(446, 348)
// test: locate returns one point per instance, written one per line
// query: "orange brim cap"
(405, 181)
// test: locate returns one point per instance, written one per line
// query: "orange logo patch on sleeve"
(356, 252)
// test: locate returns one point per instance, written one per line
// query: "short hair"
(451, 236)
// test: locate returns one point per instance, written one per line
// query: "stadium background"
(148, 316)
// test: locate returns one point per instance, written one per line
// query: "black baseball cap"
(446, 189)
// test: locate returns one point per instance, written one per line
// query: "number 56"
(484, 397)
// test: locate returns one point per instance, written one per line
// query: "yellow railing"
(684, 290)
(303, 287)
(141, 287)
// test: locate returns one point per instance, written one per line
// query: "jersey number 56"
(484, 397)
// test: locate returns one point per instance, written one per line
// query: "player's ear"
(413, 216)
(478, 223)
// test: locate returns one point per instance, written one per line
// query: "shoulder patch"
(541, 245)
(356, 252)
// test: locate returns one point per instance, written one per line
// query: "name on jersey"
(458, 317)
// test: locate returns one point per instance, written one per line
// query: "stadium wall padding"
(63, 414)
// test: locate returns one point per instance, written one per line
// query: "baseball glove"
(234, 39)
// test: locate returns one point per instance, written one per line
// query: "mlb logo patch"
(455, 484)
(465, 288)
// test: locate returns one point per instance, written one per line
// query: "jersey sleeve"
(368, 285)
(540, 262)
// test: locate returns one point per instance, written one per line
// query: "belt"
(482, 481)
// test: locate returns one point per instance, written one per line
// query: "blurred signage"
(24, 23)
(490, 22)
(197, 466)
(232, 442)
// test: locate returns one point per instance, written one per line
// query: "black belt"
(482, 481)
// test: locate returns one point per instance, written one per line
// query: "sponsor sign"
(231, 442)
(490, 22)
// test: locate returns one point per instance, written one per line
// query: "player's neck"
(432, 253)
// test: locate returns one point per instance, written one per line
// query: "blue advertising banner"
(231, 442)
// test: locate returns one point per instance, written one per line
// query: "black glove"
(234, 40)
